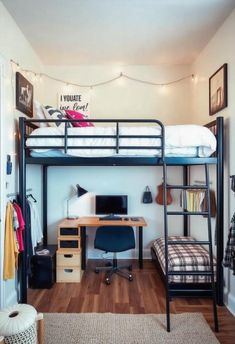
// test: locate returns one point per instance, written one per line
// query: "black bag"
(147, 196)
(233, 183)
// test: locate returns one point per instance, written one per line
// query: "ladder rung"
(185, 187)
(188, 242)
(185, 273)
(187, 213)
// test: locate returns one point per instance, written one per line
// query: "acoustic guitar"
(159, 197)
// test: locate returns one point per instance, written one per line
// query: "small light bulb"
(163, 89)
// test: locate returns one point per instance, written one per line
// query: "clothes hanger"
(30, 195)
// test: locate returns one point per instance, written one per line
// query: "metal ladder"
(208, 242)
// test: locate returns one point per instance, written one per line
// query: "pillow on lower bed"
(71, 114)
(39, 114)
(53, 113)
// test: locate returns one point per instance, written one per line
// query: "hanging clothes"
(230, 247)
(15, 226)
(28, 238)
(10, 247)
(36, 227)
(20, 228)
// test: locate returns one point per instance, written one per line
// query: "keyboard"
(110, 218)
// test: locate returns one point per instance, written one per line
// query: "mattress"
(180, 140)
(184, 258)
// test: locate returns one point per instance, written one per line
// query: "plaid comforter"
(184, 258)
(230, 247)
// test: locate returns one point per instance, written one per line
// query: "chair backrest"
(114, 238)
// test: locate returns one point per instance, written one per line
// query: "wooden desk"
(93, 221)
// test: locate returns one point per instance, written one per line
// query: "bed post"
(220, 208)
(44, 203)
(22, 199)
(185, 182)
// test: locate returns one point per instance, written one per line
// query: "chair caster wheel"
(96, 271)
(130, 278)
(107, 281)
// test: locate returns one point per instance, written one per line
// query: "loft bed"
(114, 145)
(156, 158)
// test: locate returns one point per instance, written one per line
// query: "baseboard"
(231, 303)
(122, 255)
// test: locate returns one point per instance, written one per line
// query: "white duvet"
(180, 140)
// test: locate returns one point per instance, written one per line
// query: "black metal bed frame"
(26, 126)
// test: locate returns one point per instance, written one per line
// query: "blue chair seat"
(115, 239)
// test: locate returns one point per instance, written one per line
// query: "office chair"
(115, 239)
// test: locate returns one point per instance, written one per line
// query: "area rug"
(107, 328)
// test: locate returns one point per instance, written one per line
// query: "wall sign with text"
(78, 102)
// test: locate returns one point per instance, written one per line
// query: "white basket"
(18, 324)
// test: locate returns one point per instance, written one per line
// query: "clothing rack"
(13, 194)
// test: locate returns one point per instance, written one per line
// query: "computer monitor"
(111, 205)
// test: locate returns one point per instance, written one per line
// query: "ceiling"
(73, 32)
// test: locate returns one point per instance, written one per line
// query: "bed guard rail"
(27, 126)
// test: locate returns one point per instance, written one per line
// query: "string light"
(102, 83)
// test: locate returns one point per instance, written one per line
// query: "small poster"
(24, 95)
(75, 101)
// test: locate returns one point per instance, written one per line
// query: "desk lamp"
(79, 192)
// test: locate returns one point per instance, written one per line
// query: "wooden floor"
(145, 294)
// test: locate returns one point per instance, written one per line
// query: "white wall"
(109, 180)
(219, 50)
(125, 98)
(13, 45)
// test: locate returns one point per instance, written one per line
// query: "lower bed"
(183, 258)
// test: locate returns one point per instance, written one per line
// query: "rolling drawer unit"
(68, 256)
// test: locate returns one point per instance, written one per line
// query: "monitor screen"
(106, 204)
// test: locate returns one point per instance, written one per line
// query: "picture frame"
(24, 95)
(218, 95)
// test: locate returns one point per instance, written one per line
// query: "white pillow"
(39, 114)
(53, 113)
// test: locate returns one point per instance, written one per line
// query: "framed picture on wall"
(218, 97)
(24, 95)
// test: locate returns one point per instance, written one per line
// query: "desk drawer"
(68, 259)
(68, 275)
(69, 231)
(68, 243)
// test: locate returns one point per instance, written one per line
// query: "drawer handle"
(68, 270)
(68, 255)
